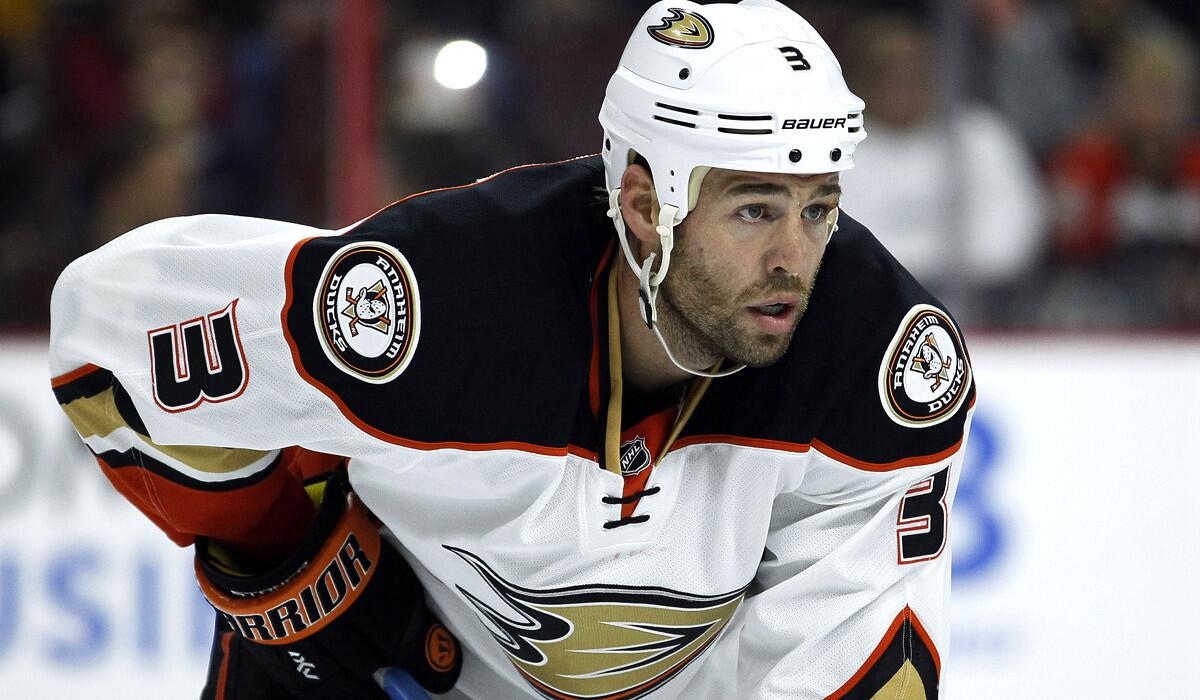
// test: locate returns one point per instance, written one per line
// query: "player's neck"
(644, 363)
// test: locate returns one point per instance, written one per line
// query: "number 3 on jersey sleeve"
(923, 522)
(198, 360)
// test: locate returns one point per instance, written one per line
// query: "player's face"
(745, 261)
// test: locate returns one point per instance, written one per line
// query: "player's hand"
(321, 623)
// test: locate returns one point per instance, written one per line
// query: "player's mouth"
(776, 317)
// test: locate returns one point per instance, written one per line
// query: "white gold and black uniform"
(792, 542)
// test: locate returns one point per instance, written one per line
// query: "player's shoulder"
(908, 377)
(862, 290)
(519, 229)
(527, 194)
(428, 297)
(878, 373)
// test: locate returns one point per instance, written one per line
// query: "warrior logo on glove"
(338, 573)
(311, 626)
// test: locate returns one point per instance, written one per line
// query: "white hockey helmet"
(747, 86)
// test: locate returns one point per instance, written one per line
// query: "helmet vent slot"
(746, 117)
(674, 108)
(675, 122)
(746, 132)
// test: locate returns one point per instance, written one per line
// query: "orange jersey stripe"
(68, 377)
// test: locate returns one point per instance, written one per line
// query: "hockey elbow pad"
(322, 622)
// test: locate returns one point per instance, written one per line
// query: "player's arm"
(170, 359)
(165, 343)
(184, 315)
(855, 588)
(854, 585)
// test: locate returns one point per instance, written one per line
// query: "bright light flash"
(460, 64)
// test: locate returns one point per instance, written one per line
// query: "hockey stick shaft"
(399, 685)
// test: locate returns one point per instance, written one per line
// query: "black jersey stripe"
(90, 381)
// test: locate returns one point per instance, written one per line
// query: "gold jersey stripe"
(97, 416)
(905, 685)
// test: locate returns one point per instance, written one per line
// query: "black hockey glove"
(320, 624)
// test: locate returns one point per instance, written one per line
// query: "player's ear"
(639, 203)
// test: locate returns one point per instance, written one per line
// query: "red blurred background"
(1036, 163)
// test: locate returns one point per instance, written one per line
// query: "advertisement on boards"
(1074, 534)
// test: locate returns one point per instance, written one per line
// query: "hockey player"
(712, 456)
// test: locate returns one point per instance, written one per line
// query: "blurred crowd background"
(1035, 162)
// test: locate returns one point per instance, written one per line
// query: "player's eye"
(815, 212)
(753, 212)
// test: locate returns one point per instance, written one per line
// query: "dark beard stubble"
(700, 333)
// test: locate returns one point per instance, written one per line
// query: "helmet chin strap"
(650, 281)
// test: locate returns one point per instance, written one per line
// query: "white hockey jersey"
(792, 542)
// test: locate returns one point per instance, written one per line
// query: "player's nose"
(793, 248)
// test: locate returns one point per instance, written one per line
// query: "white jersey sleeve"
(185, 314)
(853, 591)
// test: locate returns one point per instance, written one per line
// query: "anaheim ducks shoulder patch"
(687, 30)
(368, 311)
(925, 373)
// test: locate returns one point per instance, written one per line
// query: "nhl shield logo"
(367, 311)
(925, 373)
(635, 458)
(686, 30)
